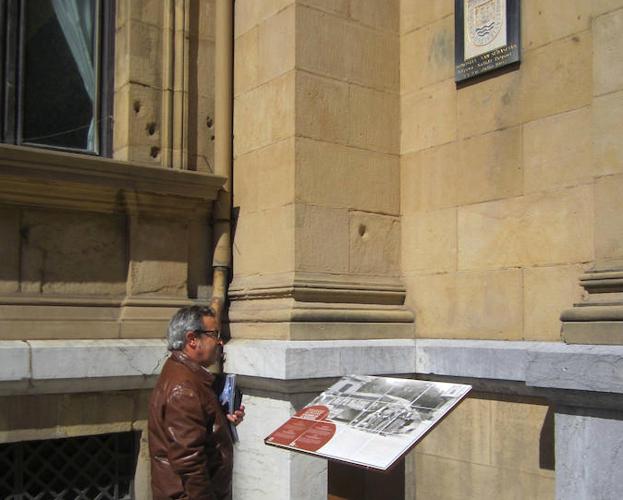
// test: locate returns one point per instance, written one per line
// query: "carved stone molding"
(306, 306)
(599, 318)
(50, 179)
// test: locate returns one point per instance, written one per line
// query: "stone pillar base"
(308, 306)
(589, 456)
(599, 318)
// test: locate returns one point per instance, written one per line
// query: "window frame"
(12, 28)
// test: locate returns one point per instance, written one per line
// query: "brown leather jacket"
(190, 445)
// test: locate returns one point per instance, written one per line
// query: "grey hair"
(187, 319)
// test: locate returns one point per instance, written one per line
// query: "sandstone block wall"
(508, 183)
(507, 195)
(486, 448)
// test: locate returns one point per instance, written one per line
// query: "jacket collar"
(182, 358)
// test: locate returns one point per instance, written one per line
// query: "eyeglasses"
(215, 334)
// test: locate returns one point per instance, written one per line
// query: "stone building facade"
(386, 221)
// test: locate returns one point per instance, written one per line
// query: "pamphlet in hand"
(231, 398)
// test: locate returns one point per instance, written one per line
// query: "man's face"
(204, 347)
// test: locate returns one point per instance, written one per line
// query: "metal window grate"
(86, 468)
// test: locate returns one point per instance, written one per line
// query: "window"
(91, 467)
(54, 75)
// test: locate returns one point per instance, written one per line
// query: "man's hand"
(237, 416)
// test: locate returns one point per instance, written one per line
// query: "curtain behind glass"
(59, 97)
(76, 19)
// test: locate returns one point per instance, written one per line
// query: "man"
(190, 443)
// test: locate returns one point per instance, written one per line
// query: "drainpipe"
(223, 158)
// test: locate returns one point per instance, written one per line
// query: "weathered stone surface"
(322, 42)
(557, 151)
(115, 411)
(609, 217)
(158, 264)
(322, 108)
(59, 416)
(276, 45)
(140, 55)
(551, 20)
(427, 55)
(465, 480)
(332, 45)
(493, 104)
(265, 177)
(9, 250)
(490, 167)
(429, 241)
(416, 14)
(73, 253)
(88, 359)
(380, 15)
(288, 360)
(429, 179)
(138, 123)
(374, 119)
(487, 359)
(373, 57)
(264, 115)
(58, 322)
(511, 232)
(428, 117)
(374, 244)
(321, 238)
(203, 136)
(522, 437)
(476, 305)
(250, 13)
(15, 361)
(465, 434)
(569, 61)
(547, 292)
(588, 454)
(203, 68)
(246, 61)
(146, 11)
(608, 53)
(340, 176)
(606, 133)
(276, 251)
(579, 367)
(341, 7)
(603, 6)
(376, 327)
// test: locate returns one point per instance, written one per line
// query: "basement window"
(88, 467)
(55, 74)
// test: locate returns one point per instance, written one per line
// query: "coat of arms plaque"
(487, 36)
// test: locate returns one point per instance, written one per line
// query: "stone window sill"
(52, 179)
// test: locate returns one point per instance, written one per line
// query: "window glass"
(59, 101)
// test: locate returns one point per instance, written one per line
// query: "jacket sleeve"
(186, 427)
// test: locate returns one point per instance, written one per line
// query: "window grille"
(86, 468)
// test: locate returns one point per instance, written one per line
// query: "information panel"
(368, 421)
(486, 36)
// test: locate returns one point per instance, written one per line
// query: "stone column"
(316, 172)
(599, 319)
(589, 456)
(316, 251)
